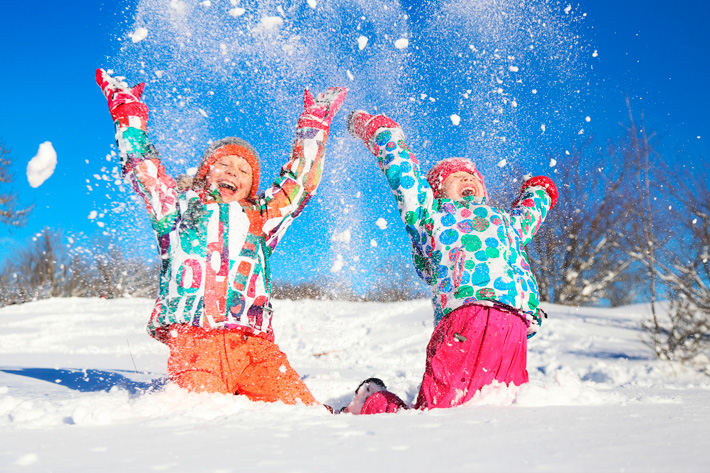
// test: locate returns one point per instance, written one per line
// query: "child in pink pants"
(472, 256)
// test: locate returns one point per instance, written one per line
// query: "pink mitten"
(319, 111)
(123, 101)
(544, 182)
(364, 126)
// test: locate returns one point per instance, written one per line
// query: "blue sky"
(656, 52)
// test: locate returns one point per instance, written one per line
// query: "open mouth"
(228, 186)
(467, 192)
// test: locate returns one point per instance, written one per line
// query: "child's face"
(232, 176)
(461, 184)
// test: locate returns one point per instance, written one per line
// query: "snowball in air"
(381, 223)
(139, 35)
(513, 68)
(502, 163)
(235, 12)
(350, 75)
(373, 243)
(312, 4)
(553, 162)
(41, 167)
(455, 119)
(401, 43)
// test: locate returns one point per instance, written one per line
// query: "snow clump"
(139, 35)
(381, 223)
(41, 167)
(268, 23)
(455, 119)
(362, 42)
(338, 265)
(342, 237)
(401, 43)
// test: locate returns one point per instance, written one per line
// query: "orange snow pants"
(232, 362)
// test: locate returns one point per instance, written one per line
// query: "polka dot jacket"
(465, 250)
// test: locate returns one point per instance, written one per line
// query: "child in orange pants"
(215, 236)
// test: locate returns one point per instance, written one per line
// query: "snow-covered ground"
(82, 389)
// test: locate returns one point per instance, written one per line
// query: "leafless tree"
(577, 255)
(682, 332)
(48, 267)
(11, 213)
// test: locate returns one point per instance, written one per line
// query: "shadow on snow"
(89, 380)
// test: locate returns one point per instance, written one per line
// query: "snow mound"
(84, 371)
(41, 167)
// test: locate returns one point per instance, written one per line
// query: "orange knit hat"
(230, 146)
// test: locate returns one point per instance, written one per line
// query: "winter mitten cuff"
(544, 182)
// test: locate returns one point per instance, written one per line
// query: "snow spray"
(492, 80)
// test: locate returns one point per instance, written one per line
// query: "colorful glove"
(319, 111)
(123, 101)
(364, 126)
(544, 182)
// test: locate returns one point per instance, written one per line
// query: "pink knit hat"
(443, 169)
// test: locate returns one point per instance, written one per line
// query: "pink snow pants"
(470, 348)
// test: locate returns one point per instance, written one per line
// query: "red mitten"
(544, 182)
(319, 111)
(363, 125)
(123, 101)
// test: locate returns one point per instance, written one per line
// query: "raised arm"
(300, 176)
(537, 197)
(140, 161)
(415, 198)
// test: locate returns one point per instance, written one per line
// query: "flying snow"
(236, 12)
(312, 3)
(139, 35)
(338, 265)
(342, 237)
(455, 119)
(268, 23)
(381, 223)
(401, 43)
(362, 42)
(41, 167)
